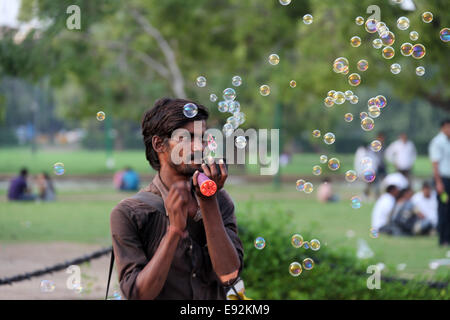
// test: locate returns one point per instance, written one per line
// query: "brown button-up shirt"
(137, 229)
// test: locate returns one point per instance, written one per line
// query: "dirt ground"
(27, 257)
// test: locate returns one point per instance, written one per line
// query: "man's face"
(187, 148)
(426, 192)
(404, 137)
(446, 130)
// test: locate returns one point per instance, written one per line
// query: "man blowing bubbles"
(192, 250)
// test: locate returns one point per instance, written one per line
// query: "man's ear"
(159, 144)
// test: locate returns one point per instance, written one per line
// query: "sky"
(9, 9)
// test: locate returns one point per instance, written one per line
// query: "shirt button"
(194, 275)
(190, 247)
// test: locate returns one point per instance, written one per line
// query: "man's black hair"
(445, 121)
(24, 172)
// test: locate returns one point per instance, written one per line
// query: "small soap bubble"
(354, 99)
(260, 243)
(295, 269)
(307, 19)
(418, 51)
(403, 23)
(374, 112)
(212, 97)
(350, 176)
(348, 117)
(236, 81)
(229, 94)
(339, 97)
(371, 25)
(388, 52)
(285, 2)
(381, 27)
(427, 17)
(334, 164)
(306, 245)
(362, 65)
(300, 185)
(377, 43)
(308, 264)
(354, 79)
(233, 121)
(308, 187)
(316, 133)
(297, 240)
(373, 233)
(369, 175)
(101, 116)
(356, 202)
(380, 101)
(58, 168)
(227, 129)
(331, 94)
(190, 110)
(359, 20)
(376, 145)
(314, 244)
(317, 170)
(367, 124)
(47, 286)
(414, 35)
(274, 59)
(223, 106)
(329, 138)
(323, 159)
(355, 41)
(388, 38)
(264, 90)
(366, 162)
(406, 49)
(240, 142)
(340, 65)
(201, 81)
(292, 83)
(420, 71)
(348, 94)
(328, 102)
(234, 106)
(444, 34)
(363, 115)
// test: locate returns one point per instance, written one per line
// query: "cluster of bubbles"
(340, 65)
(339, 97)
(305, 186)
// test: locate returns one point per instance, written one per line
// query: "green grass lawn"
(84, 162)
(84, 217)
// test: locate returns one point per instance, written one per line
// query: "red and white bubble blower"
(207, 186)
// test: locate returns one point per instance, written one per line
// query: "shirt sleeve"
(128, 250)
(435, 152)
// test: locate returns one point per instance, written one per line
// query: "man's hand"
(211, 172)
(439, 186)
(176, 204)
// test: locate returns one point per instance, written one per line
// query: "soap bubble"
(234, 106)
(223, 106)
(406, 49)
(260, 243)
(371, 25)
(382, 28)
(227, 129)
(316, 133)
(236, 81)
(212, 97)
(293, 83)
(369, 175)
(317, 170)
(396, 68)
(295, 268)
(367, 124)
(264, 90)
(388, 52)
(334, 164)
(297, 240)
(329, 138)
(348, 94)
(354, 79)
(414, 35)
(362, 65)
(380, 101)
(355, 41)
(373, 233)
(427, 17)
(47, 286)
(300, 185)
(377, 43)
(359, 20)
(363, 115)
(420, 71)
(366, 162)
(340, 65)
(328, 102)
(374, 111)
(274, 59)
(190, 110)
(314, 244)
(356, 202)
(388, 38)
(418, 51)
(307, 19)
(58, 168)
(308, 187)
(306, 245)
(323, 158)
(348, 117)
(201, 81)
(233, 121)
(285, 2)
(350, 176)
(376, 145)
(229, 94)
(308, 263)
(444, 34)
(339, 97)
(354, 99)
(240, 142)
(101, 116)
(331, 94)
(403, 23)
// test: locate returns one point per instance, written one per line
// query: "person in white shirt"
(384, 207)
(426, 204)
(402, 153)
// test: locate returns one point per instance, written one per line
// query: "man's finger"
(206, 170)
(195, 178)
